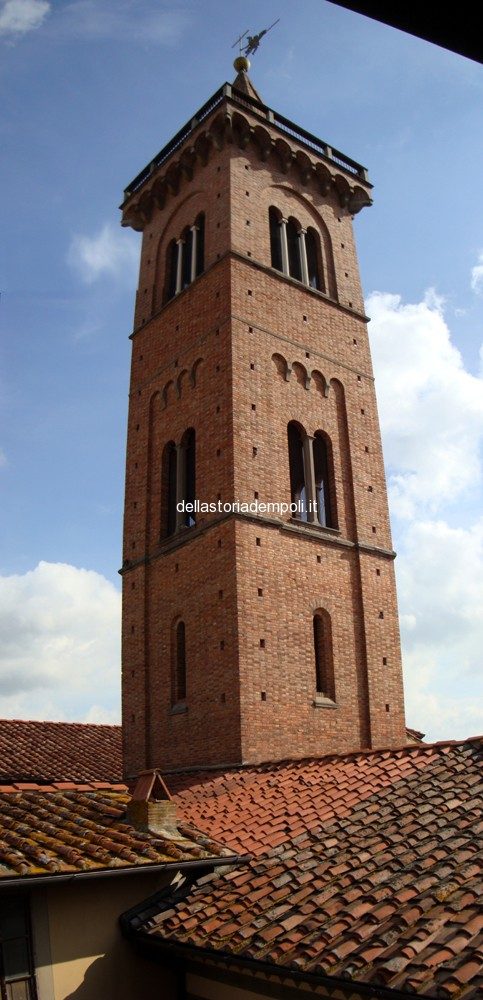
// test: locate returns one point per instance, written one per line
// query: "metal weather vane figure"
(250, 46)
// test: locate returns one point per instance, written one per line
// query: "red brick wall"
(246, 702)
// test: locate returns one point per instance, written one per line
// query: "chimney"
(151, 808)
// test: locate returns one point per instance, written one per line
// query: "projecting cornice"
(233, 117)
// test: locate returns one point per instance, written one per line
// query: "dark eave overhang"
(454, 28)
(195, 867)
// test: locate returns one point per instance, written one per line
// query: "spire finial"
(241, 64)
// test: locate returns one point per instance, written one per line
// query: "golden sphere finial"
(241, 64)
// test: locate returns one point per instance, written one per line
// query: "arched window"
(314, 269)
(178, 484)
(186, 250)
(185, 258)
(275, 239)
(322, 483)
(179, 663)
(200, 244)
(171, 268)
(298, 485)
(311, 476)
(297, 252)
(168, 488)
(293, 245)
(188, 445)
(323, 652)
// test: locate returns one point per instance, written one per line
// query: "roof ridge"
(63, 722)
(409, 748)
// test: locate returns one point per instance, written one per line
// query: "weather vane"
(249, 43)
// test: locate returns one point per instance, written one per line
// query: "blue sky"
(91, 89)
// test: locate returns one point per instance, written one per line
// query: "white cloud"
(431, 411)
(59, 644)
(3, 459)
(17, 17)
(113, 252)
(477, 275)
(440, 589)
(125, 20)
(431, 408)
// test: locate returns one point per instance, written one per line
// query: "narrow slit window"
(324, 665)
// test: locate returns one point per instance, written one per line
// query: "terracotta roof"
(367, 868)
(83, 828)
(43, 752)
(259, 807)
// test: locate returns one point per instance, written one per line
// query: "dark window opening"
(322, 490)
(171, 270)
(312, 248)
(324, 666)
(190, 474)
(293, 245)
(275, 240)
(186, 250)
(200, 244)
(298, 487)
(17, 978)
(180, 663)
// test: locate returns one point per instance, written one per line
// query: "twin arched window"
(311, 476)
(296, 251)
(178, 483)
(185, 258)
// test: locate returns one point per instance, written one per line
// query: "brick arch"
(313, 220)
(177, 221)
(282, 366)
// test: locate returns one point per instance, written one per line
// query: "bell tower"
(259, 603)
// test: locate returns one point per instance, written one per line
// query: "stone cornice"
(235, 118)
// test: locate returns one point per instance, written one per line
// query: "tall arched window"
(178, 692)
(200, 244)
(312, 248)
(275, 239)
(171, 268)
(322, 483)
(186, 250)
(168, 489)
(189, 485)
(185, 258)
(293, 243)
(298, 485)
(323, 652)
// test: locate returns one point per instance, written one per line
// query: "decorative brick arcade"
(259, 635)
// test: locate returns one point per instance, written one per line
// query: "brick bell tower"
(266, 632)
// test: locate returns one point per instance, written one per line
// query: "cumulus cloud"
(440, 589)
(477, 275)
(431, 407)
(126, 20)
(59, 644)
(111, 252)
(431, 411)
(17, 17)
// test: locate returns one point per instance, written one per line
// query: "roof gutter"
(173, 952)
(24, 881)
